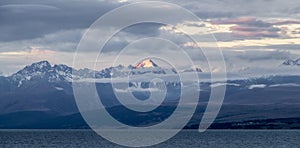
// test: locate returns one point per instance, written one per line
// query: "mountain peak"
(38, 66)
(42, 64)
(147, 63)
(292, 62)
(42, 71)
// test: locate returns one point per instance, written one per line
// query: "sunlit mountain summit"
(147, 63)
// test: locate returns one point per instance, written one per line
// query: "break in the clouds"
(250, 33)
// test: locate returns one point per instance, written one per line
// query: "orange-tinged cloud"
(240, 20)
(255, 34)
(32, 52)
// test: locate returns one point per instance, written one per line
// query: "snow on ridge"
(285, 84)
(221, 84)
(136, 89)
(59, 88)
(257, 86)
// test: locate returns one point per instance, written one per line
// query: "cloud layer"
(250, 33)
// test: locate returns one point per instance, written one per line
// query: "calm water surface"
(211, 138)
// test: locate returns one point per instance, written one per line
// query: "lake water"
(211, 138)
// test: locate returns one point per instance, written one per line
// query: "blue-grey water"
(211, 138)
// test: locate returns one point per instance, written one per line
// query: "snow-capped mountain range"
(42, 70)
(56, 73)
(45, 88)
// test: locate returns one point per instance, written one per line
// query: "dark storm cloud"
(241, 20)
(264, 55)
(208, 14)
(149, 29)
(34, 18)
(130, 34)
(286, 22)
(285, 46)
(237, 8)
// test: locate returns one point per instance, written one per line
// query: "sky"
(254, 36)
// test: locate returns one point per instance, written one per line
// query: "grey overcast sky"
(255, 36)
